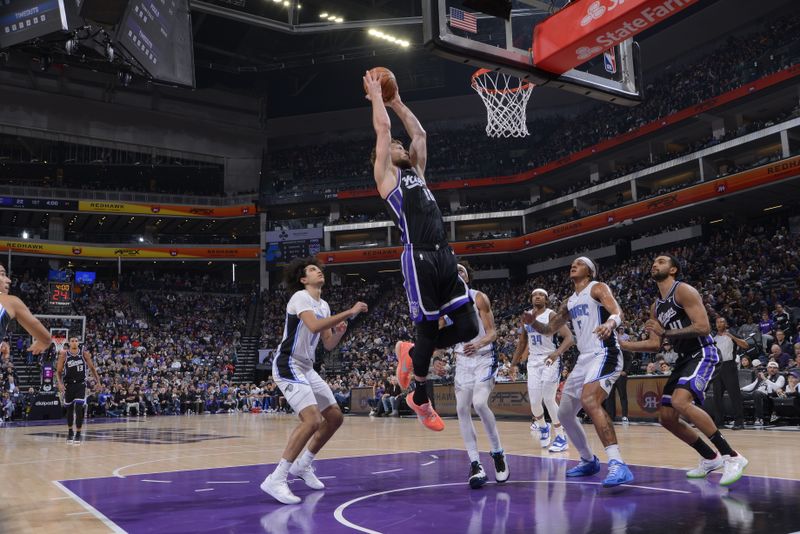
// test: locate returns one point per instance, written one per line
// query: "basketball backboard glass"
(489, 42)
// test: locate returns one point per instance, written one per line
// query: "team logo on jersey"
(665, 317)
(414, 306)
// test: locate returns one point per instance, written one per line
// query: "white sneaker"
(734, 467)
(308, 476)
(279, 491)
(705, 467)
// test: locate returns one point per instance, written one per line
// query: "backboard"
(612, 74)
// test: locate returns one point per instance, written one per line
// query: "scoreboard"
(286, 251)
(59, 295)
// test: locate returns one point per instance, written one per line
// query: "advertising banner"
(586, 28)
(167, 210)
(152, 252)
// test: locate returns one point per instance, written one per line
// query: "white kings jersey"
(586, 315)
(459, 348)
(299, 344)
(540, 346)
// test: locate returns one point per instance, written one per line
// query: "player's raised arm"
(382, 160)
(418, 152)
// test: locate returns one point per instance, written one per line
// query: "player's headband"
(540, 290)
(589, 263)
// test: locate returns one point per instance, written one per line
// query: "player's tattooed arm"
(557, 320)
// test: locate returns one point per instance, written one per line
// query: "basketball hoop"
(59, 342)
(506, 98)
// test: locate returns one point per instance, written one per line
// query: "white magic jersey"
(459, 348)
(586, 315)
(299, 344)
(540, 346)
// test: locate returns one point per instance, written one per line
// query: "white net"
(506, 98)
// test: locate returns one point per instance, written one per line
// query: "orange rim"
(480, 72)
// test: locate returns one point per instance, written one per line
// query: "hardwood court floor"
(33, 457)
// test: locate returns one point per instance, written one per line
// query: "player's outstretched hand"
(373, 85)
(39, 346)
(357, 308)
(654, 327)
(603, 331)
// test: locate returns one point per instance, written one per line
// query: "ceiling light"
(286, 3)
(340, 19)
(323, 15)
(331, 17)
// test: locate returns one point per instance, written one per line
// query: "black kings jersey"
(414, 210)
(74, 368)
(673, 317)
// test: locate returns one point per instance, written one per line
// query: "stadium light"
(391, 38)
(25, 234)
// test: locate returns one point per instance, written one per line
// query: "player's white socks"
(568, 414)
(612, 451)
(305, 460)
(282, 471)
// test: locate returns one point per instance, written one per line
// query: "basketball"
(388, 82)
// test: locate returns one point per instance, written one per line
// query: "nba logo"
(610, 61)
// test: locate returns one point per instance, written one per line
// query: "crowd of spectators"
(172, 349)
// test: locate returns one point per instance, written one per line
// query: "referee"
(727, 377)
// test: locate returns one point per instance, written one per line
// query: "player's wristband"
(617, 320)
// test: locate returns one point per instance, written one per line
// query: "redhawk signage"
(586, 28)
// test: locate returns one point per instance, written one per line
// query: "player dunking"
(308, 319)
(679, 315)
(13, 308)
(431, 280)
(595, 315)
(543, 371)
(476, 366)
(73, 364)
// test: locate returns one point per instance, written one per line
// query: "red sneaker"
(405, 367)
(426, 414)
